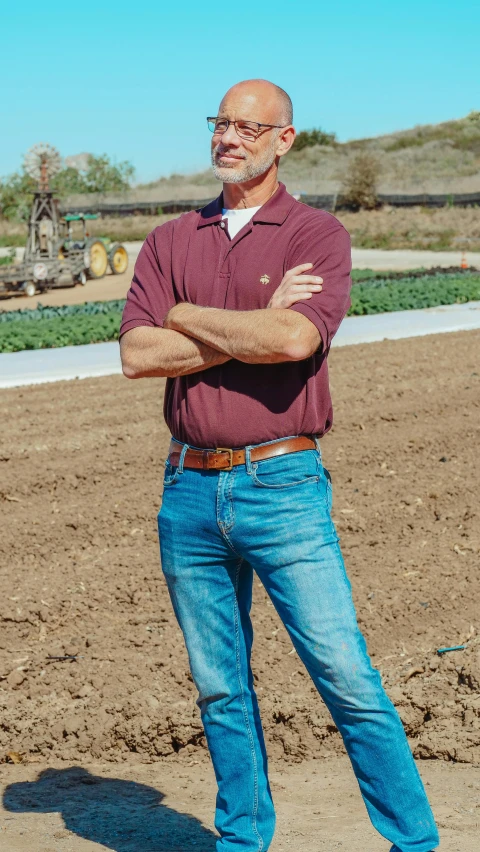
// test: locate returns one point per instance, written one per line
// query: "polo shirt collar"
(273, 212)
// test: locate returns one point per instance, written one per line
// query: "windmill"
(54, 256)
(41, 163)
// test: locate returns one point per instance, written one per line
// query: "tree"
(16, 196)
(359, 189)
(104, 176)
(101, 175)
(68, 181)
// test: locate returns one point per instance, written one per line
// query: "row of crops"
(95, 322)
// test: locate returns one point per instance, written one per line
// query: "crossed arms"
(194, 338)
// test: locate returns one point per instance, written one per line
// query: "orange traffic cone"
(464, 264)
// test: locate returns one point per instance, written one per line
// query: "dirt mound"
(91, 659)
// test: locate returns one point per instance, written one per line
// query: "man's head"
(236, 159)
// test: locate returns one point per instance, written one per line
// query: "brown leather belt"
(224, 459)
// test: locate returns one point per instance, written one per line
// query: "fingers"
(298, 269)
(301, 296)
(303, 279)
(309, 284)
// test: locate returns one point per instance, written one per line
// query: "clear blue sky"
(136, 80)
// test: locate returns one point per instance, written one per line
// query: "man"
(237, 305)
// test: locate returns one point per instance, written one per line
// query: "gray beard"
(250, 169)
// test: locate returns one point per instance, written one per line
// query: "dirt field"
(168, 807)
(80, 487)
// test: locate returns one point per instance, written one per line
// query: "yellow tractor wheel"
(118, 259)
(98, 259)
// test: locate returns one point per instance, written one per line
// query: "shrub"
(359, 189)
(309, 138)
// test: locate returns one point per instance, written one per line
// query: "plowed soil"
(92, 663)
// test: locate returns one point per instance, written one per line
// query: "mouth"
(228, 157)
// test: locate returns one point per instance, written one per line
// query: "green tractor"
(99, 252)
(59, 251)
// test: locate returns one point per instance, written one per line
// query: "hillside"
(436, 158)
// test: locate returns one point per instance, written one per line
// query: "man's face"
(238, 160)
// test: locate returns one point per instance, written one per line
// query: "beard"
(251, 167)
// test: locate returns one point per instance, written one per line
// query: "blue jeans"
(273, 517)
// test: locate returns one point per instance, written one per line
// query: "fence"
(330, 202)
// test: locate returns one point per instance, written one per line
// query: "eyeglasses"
(245, 129)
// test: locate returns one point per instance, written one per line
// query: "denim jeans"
(273, 517)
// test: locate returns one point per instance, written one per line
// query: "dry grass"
(440, 158)
(124, 228)
(121, 228)
(448, 228)
(388, 228)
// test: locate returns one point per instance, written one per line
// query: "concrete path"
(409, 259)
(398, 324)
(362, 258)
(102, 359)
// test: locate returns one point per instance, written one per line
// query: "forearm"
(148, 352)
(254, 337)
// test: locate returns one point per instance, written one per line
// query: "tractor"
(59, 250)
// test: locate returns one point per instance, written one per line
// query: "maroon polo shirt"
(192, 259)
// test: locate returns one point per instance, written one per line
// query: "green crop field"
(95, 322)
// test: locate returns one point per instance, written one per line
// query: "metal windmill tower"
(42, 162)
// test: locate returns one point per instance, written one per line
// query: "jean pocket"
(287, 471)
(327, 488)
(170, 476)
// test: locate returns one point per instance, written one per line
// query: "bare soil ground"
(168, 807)
(80, 487)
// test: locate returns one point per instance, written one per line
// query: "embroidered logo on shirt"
(265, 279)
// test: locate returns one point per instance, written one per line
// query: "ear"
(285, 140)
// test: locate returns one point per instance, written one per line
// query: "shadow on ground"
(122, 815)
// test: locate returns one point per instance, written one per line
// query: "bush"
(308, 138)
(359, 189)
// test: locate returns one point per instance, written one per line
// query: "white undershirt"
(238, 218)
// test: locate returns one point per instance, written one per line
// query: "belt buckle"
(230, 456)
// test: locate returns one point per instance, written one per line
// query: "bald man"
(236, 305)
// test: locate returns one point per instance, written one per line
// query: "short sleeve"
(327, 246)
(151, 293)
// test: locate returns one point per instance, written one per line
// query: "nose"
(230, 137)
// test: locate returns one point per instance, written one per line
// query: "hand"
(295, 287)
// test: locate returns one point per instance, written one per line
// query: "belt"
(224, 458)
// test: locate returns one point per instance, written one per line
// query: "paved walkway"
(102, 359)
(409, 259)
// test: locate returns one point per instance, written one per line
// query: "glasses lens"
(211, 124)
(247, 130)
(217, 125)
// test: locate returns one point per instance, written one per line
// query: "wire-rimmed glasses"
(245, 129)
